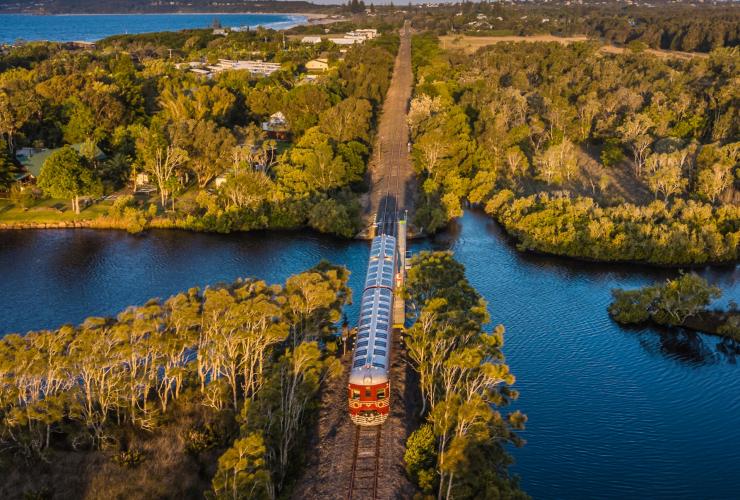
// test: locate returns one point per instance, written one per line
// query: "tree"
(634, 132)
(159, 157)
(313, 165)
(349, 120)
(664, 173)
(713, 180)
(208, 146)
(421, 457)
(557, 163)
(683, 297)
(7, 167)
(64, 175)
(18, 104)
(242, 471)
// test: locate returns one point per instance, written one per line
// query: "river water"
(89, 28)
(613, 412)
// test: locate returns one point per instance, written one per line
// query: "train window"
(355, 394)
(363, 335)
(378, 365)
(381, 393)
(359, 362)
(381, 343)
(381, 335)
(361, 352)
(362, 343)
(379, 352)
(368, 392)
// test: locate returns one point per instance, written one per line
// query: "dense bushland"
(231, 369)
(569, 148)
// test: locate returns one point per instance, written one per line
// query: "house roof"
(35, 161)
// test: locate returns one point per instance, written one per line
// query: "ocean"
(74, 27)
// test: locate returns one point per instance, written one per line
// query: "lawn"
(50, 210)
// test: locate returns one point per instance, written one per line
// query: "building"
(255, 68)
(311, 39)
(346, 41)
(276, 127)
(32, 159)
(368, 33)
(318, 65)
(356, 36)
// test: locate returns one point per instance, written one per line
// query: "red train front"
(369, 384)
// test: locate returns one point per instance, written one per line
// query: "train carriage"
(369, 384)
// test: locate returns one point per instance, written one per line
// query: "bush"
(421, 458)
(129, 458)
(120, 203)
(198, 439)
(24, 197)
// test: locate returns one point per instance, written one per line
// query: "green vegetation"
(570, 148)
(679, 302)
(460, 451)
(199, 142)
(169, 386)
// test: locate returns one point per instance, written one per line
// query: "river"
(613, 412)
(92, 27)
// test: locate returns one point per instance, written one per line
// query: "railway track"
(365, 463)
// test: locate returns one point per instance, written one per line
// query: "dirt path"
(390, 173)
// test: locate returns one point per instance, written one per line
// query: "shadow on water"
(679, 344)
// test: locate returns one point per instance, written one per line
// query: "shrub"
(129, 458)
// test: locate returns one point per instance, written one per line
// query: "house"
(321, 64)
(33, 159)
(311, 39)
(276, 127)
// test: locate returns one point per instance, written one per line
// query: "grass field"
(470, 44)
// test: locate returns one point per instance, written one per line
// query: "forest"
(582, 153)
(459, 451)
(209, 392)
(148, 116)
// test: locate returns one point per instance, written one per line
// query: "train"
(369, 388)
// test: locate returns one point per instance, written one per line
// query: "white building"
(256, 68)
(346, 41)
(311, 39)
